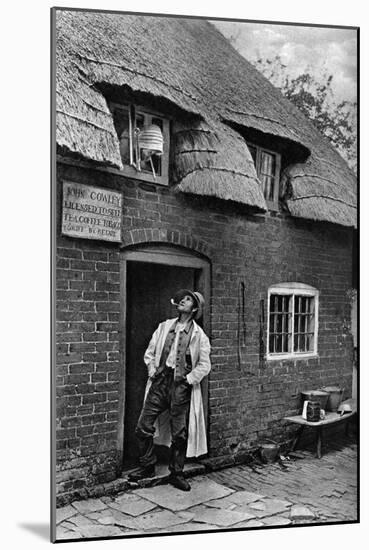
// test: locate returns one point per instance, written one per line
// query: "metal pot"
(313, 411)
(316, 395)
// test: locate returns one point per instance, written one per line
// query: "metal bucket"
(335, 397)
(269, 452)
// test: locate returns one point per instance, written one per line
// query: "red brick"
(93, 398)
(105, 286)
(107, 327)
(105, 407)
(94, 357)
(76, 378)
(106, 346)
(85, 430)
(99, 377)
(95, 296)
(69, 253)
(95, 255)
(94, 337)
(62, 358)
(65, 433)
(81, 347)
(107, 266)
(69, 316)
(71, 421)
(82, 285)
(93, 419)
(107, 306)
(106, 386)
(63, 263)
(74, 327)
(68, 274)
(81, 306)
(81, 368)
(95, 316)
(83, 265)
(94, 275)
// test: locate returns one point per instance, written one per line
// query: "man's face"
(186, 304)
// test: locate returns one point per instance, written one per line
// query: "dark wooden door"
(149, 289)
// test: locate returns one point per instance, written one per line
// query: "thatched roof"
(214, 160)
(188, 66)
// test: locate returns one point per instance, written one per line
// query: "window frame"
(294, 289)
(130, 170)
(272, 204)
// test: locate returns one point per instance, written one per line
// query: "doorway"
(149, 289)
(151, 277)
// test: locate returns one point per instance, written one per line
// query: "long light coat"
(200, 356)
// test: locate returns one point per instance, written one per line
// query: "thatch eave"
(224, 184)
(321, 191)
(87, 139)
(324, 209)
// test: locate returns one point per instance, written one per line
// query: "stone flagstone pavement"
(306, 490)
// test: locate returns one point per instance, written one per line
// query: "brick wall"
(246, 401)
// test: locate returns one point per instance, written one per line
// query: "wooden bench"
(330, 418)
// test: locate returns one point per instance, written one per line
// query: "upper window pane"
(122, 127)
(267, 166)
(267, 173)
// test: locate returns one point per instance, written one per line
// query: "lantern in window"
(150, 142)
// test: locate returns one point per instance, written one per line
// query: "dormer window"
(268, 167)
(130, 122)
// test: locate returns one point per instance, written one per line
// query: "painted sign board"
(91, 212)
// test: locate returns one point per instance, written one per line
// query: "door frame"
(170, 255)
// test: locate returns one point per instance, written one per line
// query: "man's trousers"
(165, 394)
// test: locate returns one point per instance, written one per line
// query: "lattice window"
(292, 320)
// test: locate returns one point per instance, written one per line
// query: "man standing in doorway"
(177, 358)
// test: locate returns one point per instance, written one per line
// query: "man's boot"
(142, 473)
(179, 481)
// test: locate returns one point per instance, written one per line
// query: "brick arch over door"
(168, 236)
(169, 255)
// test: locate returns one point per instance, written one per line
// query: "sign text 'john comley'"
(91, 212)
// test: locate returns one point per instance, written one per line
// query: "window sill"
(131, 172)
(291, 357)
(122, 173)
